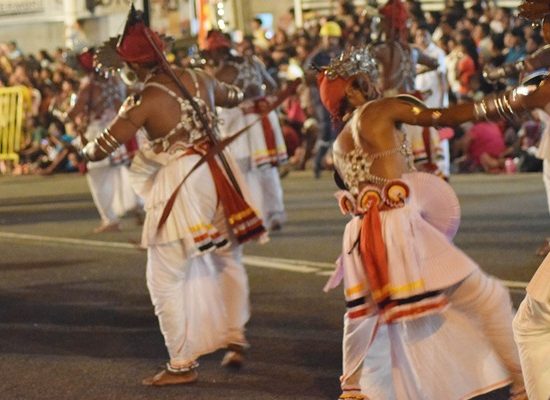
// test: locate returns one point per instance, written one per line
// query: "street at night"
(76, 320)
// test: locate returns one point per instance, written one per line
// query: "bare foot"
(112, 227)
(165, 378)
(234, 357)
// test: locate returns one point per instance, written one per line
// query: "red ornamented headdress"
(534, 9)
(134, 46)
(216, 40)
(396, 15)
(332, 92)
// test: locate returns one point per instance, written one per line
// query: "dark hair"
(46, 55)
(485, 28)
(517, 32)
(498, 41)
(342, 110)
(471, 49)
(59, 125)
(423, 26)
(348, 7)
(477, 9)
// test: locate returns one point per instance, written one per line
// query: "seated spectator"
(482, 148)
(529, 134)
(32, 149)
(60, 155)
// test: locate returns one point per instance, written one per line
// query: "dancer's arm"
(506, 105)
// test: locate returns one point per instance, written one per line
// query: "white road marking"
(62, 240)
(515, 284)
(283, 264)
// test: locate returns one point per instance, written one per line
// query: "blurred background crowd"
(468, 40)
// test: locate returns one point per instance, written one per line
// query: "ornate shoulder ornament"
(130, 103)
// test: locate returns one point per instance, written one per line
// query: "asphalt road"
(76, 321)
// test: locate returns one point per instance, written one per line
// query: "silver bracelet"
(98, 144)
(498, 107)
(501, 110)
(508, 106)
(110, 143)
(480, 111)
(234, 94)
(109, 138)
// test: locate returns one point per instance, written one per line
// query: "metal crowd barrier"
(11, 122)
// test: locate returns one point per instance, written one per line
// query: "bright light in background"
(220, 12)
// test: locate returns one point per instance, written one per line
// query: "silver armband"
(480, 111)
(110, 143)
(234, 95)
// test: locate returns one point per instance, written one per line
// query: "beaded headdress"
(352, 62)
(335, 77)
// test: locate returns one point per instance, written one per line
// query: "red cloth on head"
(86, 60)
(332, 92)
(217, 40)
(135, 47)
(395, 13)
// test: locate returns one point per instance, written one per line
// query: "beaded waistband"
(393, 194)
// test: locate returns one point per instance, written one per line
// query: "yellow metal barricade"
(11, 121)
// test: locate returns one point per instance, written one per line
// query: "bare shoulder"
(381, 105)
(387, 108)
(148, 98)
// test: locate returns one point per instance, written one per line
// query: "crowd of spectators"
(481, 36)
(49, 82)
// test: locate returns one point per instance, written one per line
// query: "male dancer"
(532, 321)
(262, 149)
(197, 215)
(97, 103)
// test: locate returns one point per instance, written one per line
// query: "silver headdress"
(352, 62)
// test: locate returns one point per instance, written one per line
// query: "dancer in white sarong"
(96, 105)
(193, 229)
(532, 334)
(447, 325)
(262, 149)
(532, 321)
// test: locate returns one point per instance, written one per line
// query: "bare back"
(366, 138)
(398, 66)
(164, 110)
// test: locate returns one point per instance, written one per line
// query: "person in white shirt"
(433, 86)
